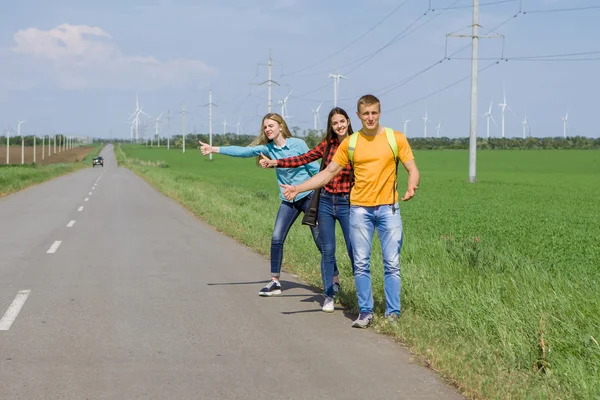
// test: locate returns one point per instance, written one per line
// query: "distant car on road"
(98, 161)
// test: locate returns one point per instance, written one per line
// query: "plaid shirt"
(340, 184)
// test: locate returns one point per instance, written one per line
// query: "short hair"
(367, 100)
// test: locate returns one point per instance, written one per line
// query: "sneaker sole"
(359, 325)
(328, 310)
(269, 294)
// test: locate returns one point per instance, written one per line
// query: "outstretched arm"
(234, 151)
(318, 181)
(303, 159)
(413, 179)
(207, 149)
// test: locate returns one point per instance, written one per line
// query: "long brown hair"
(262, 137)
(330, 132)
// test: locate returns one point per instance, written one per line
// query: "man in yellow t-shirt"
(373, 204)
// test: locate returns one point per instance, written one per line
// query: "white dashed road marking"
(13, 310)
(86, 199)
(70, 224)
(54, 247)
(80, 208)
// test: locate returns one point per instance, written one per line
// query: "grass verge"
(500, 279)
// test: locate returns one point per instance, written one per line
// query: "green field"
(500, 279)
(18, 177)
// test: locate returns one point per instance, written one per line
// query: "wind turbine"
(136, 116)
(565, 123)
(316, 118)
(157, 121)
(283, 104)
(238, 127)
(524, 123)
(425, 120)
(225, 126)
(504, 106)
(489, 115)
(438, 128)
(336, 86)
(405, 122)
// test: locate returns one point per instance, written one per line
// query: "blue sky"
(76, 65)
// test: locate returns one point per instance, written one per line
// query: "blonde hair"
(262, 137)
(367, 100)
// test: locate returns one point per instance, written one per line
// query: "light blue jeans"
(332, 207)
(363, 222)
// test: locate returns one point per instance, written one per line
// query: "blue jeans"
(332, 207)
(364, 221)
(286, 216)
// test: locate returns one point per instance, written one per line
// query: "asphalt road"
(140, 300)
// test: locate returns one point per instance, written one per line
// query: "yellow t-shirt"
(374, 167)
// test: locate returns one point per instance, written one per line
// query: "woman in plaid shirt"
(335, 199)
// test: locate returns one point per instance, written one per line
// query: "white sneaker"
(328, 305)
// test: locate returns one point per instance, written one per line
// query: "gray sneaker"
(363, 320)
(273, 288)
(328, 305)
(393, 317)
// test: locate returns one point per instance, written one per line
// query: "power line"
(561, 9)
(481, 5)
(402, 35)
(550, 57)
(442, 89)
(396, 38)
(351, 43)
(404, 81)
(558, 55)
(555, 59)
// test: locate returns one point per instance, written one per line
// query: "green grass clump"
(500, 279)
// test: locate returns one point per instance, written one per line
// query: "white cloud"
(81, 56)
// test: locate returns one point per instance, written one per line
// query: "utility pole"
(210, 106)
(43, 146)
(474, 79)
(270, 82)
(22, 142)
(183, 113)
(8, 146)
(474, 76)
(168, 129)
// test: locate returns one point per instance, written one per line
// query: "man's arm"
(318, 181)
(413, 179)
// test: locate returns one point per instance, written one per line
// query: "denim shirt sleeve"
(247, 151)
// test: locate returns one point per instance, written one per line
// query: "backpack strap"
(389, 132)
(351, 146)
